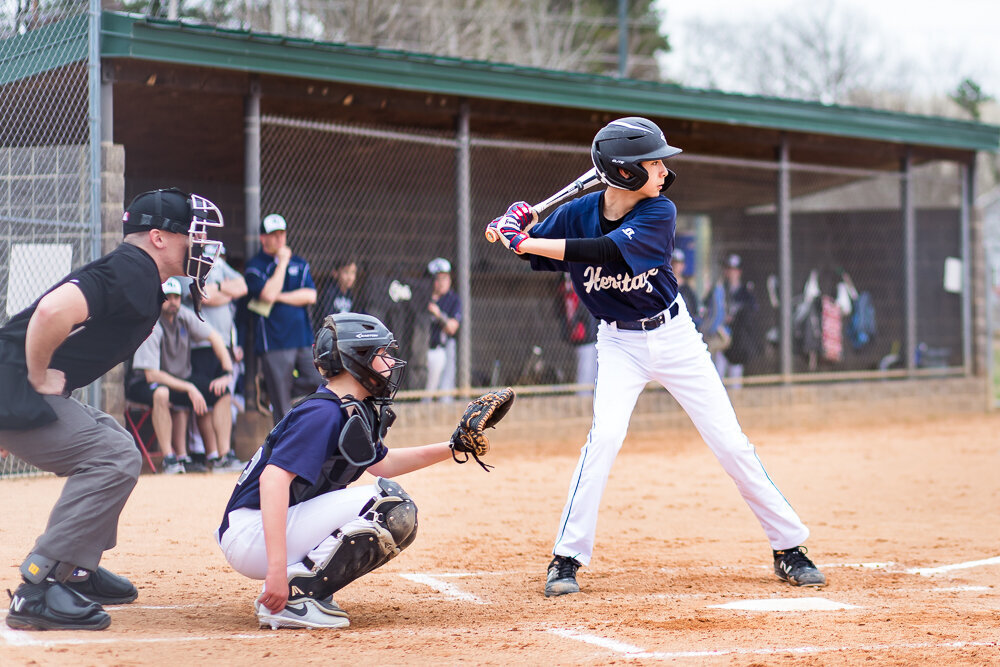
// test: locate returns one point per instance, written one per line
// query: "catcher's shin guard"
(386, 526)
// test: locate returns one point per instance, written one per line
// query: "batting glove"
(520, 212)
(510, 233)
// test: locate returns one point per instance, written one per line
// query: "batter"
(616, 246)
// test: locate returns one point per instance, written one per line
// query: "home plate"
(788, 604)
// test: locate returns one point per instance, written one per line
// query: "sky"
(946, 41)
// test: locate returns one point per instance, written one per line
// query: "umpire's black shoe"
(793, 566)
(561, 579)
(52, 606)
(102, 586)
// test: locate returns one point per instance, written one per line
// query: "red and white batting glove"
(510, 233)
(520, 212)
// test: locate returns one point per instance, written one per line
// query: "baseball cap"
(438, 265)
(734, 261)
(678, 255)
(172, 286)
(272, 223)
(168, 209)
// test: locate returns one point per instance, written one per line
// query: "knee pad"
(386, 526)
(394, 510)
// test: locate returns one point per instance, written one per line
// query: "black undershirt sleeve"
(601, 250)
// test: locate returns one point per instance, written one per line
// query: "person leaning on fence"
(88, 323)
(163, 377)
(281, 289)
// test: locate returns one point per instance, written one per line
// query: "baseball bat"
(582, 183)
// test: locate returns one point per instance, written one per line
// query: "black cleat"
(52, 606)
(561, 579)
(793, 566)
(102, 586)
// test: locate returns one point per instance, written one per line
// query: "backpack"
(861, 328)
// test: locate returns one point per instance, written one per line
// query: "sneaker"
(303, 612)
(194, 464)
(102, 586)
(53, 606)
(172, 466)
(228, 463)
(561, 579)
(793, 566)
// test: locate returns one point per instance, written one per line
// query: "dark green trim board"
(137, 37)
(170, 41)
(44, 49)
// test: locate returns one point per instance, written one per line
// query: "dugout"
(399, 157)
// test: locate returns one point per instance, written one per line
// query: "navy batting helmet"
(624, 144)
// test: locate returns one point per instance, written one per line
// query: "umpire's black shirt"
(123, 296)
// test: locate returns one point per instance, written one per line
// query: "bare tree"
(572, 35)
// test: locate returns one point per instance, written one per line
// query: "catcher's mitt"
(481, 414)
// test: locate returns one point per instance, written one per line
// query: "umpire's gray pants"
(101, 464)
(277, 366)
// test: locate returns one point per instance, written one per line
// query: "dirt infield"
(905, 521)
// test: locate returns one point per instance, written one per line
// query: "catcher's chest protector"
(357, 449)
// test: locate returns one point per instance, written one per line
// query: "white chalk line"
(448, 590)
(636, 652)
(931, 571)
(13, 637)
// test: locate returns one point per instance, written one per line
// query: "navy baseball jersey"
(642, 285)
(302, 442)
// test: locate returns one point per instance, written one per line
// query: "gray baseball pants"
(277, 366)
(101, 465)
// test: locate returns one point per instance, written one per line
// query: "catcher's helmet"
(180, 213)
(624, 144)
(351, 342)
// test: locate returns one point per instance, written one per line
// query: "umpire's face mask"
(202, 251)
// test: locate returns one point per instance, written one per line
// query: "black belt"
(650, 323)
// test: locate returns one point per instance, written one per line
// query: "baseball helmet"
(177, 212)
(351, 342)
(624, 144)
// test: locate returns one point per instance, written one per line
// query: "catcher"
(293, 520)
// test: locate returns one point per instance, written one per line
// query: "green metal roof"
(131, 36)
(44, 49)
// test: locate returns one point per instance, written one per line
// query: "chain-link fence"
(387, 198)
(45, 164)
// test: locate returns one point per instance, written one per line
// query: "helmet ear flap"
(669, 180)
(326, 355)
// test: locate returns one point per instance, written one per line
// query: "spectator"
(338, 295)
(446, 315)
(581, 333)
(162, 377)
(223, 286)
(738, 306)
(281, 290)
(679, 264)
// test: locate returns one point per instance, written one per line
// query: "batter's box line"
(635, 652)
(449, 590)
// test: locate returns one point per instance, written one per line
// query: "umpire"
(88, 323)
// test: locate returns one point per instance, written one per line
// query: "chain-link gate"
(45, 163)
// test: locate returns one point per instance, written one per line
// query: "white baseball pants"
(307, 524)
(674, 355)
